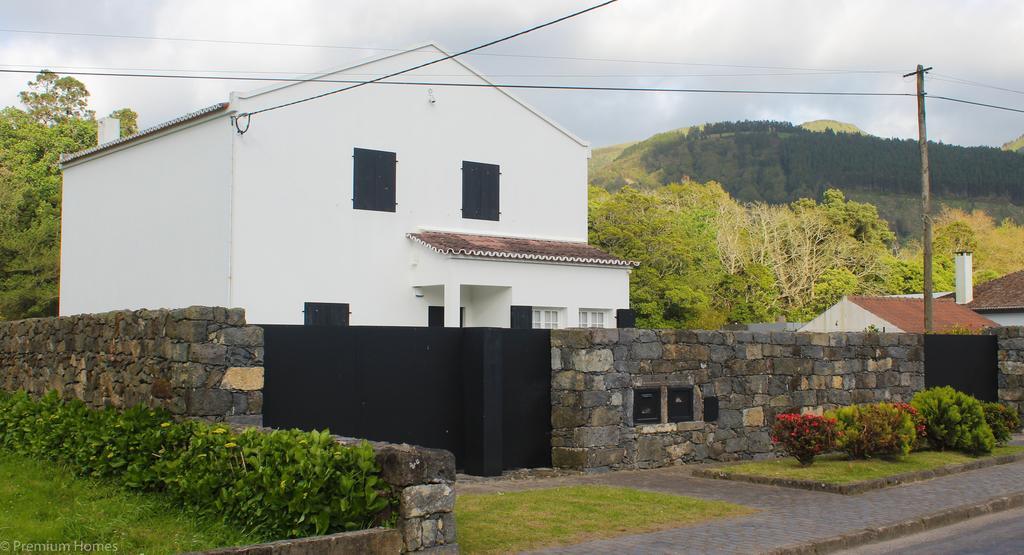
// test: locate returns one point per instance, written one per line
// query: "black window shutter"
(470, 190)
(625, 318)
(521, 317)
(373, 180)
(326, 314)
(480, 191)
(386, 162)
(435, 316)
(489, 192)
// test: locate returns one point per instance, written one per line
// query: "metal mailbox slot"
(680, 404)
(646, 406)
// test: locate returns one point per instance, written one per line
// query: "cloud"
(978, 41)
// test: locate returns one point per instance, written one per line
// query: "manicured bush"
(804, 436)
(920, 425)
(954, 420)
(277, 484)
(1003, 420)
(866, 431)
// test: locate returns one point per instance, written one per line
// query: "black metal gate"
(968, 363)
(484, 394)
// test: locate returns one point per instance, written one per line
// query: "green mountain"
(1016, 145)
(822, 125)
(779, 162)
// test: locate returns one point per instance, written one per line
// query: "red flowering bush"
(920, 423)
(803, 436)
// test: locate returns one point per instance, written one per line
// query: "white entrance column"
(452, 304)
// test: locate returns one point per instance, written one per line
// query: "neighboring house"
(1001, 300)
(383, 205)
(896, 314)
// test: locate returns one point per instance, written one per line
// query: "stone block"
(678, 451)
(567, 417)
(194, 331)
(247, 336)
(753, 416)
(687, 351)
(243, 378)
(597, 360)
(199, 313)
(604, 336)
(404, 465)
(569, 457)
(645, 351)
(556, 358)
(208, 353)
(209, 402)
(576, 339)
(161, 389)
(602, 436)
(568, 380)
(605, 416)
(426, 499)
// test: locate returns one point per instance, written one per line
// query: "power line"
(58, 69)
(960, 81)
(249, 115)
(492, 54)
(529, 86)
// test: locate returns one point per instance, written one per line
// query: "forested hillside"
(779, 162)
(1016, 145)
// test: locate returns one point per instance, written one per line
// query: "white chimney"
(964, 278)
(107, 130)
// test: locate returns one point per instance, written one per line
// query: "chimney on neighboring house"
(107, 130)
(964, 278)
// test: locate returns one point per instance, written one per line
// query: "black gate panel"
(526, 406)
(968, 363)
(481, 393)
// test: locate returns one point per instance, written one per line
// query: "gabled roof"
(908, 314)
(191, 116)
(440, 50)
(516, 248)
(1002, 294)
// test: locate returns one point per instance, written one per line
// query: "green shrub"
(1003, 420)
(866, 431)
(276, 484)
(954, 420)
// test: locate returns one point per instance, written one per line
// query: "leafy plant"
(955, 420)
(803, 436)
(277, 484)
(1003, 420)
(866, 431)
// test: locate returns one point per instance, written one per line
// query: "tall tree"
(52, 99)
(129, 121)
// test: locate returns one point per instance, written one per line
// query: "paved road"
(996, 534)
(786, 516)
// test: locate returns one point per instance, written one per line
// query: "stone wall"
(1011, 366)
(196, 362)
(753, 375)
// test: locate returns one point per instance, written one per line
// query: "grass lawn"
(837, 469)
(506, 522)
(44, 502)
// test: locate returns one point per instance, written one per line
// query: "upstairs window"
(545, 318)
(373, 180)
(480, 191)
(590, 318)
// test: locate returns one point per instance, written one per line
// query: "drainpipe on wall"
(964, 278)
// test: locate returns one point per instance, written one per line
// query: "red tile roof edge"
(907, 313)
(423, 238)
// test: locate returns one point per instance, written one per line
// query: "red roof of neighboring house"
(489, 246)
(908, 314)
(1005, 293)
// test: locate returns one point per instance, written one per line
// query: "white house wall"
(1006, 318)
(147, 226)
(847, 316)
(296, 236)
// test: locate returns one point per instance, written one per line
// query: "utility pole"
(926, 196)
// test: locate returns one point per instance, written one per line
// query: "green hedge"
(275, 485)
(874, 430)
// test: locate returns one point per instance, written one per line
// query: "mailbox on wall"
(646, 406)
(680, 404)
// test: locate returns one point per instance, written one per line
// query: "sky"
(855, 45)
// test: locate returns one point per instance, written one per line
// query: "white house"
(409, 204)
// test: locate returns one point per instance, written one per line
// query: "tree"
(128, 119)
(52, 99)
